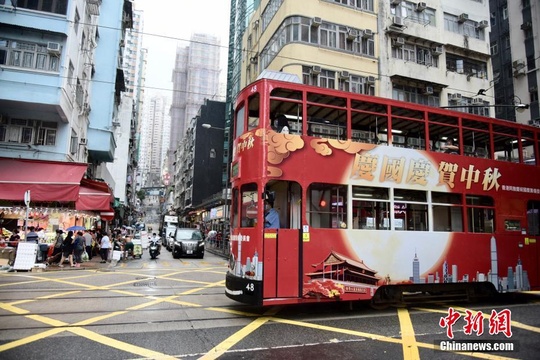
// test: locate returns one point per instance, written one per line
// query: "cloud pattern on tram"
(324, 146)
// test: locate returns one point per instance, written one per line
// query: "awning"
(46, 180)
(94, 195)
(107, 215)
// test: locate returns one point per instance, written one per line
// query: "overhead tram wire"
(223, 47)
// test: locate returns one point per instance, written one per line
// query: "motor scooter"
(154, 249)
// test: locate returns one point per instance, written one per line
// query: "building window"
(356, 84)
(414, 95)
(269, 11)
(74, 143)
(357, 4)
(76, 21)
(52, 6)
(28, 55)
(470, 105)
(494, 48)
(505, 12)
(327, 79)
(468, 27)
(466, 66)
(25, 131)
(301, 29)
(407, 9)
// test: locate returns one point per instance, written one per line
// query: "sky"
(170, 23)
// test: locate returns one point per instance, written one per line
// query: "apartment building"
(60, 86)
(515, 27)
(431, 52)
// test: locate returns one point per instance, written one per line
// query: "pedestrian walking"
(67, 250)
(78, 248)
(88, 243)
(105, 247)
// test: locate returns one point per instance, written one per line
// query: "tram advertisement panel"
(403, 236)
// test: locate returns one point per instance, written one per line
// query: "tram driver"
(271, 216)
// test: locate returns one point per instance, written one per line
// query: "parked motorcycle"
(154, 249)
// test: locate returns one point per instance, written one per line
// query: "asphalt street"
(176, 309)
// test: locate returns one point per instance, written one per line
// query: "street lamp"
(227, 183)
(208, 126)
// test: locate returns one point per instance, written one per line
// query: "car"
(187, 242)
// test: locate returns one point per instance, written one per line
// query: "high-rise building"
(195, 78)
(514, 32)
(153, 142)
(61, 83)
(124, 167)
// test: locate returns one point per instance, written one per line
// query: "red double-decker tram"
(377, 199)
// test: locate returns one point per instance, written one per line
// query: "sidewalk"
(224, 253)
(95, 263)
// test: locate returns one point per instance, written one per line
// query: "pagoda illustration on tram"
(337, 275)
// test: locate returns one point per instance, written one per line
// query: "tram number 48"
(250, 287)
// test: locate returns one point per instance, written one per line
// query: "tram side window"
(234, 209)
(410, 210)
(327, 206)
(253, 116)
(240, 112)
(371, 208)
(533, 218)
(249, 209)
(447, 212)
(480, 214)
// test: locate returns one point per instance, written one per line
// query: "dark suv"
(187, 242)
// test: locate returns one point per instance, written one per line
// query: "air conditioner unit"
(316, 21)
(421, 6)
(526, 25)
(477, 101)
(367, 33)
(463, 17)
(395, 2)
(82, 141)
(316, 69)
(398, 42)
(518, 64)
(397, 21)
(438, 50)
(520, 72)
(482, 24)
(53, 47)
(352, 34)
(428, 90)
(344, 74)
(371, 79)
(455, 97)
